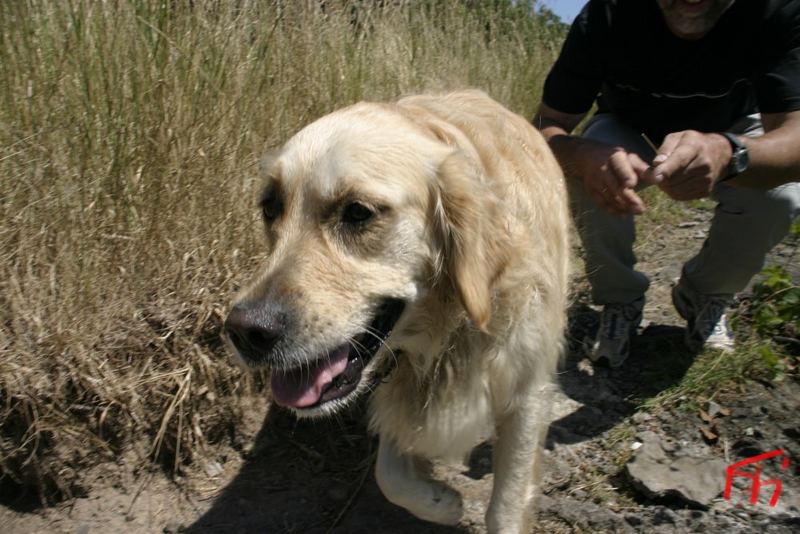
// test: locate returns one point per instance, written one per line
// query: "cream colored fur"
(472, 233)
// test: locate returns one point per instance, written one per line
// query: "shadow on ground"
(317, 476)
(658, 359)
(310, 477)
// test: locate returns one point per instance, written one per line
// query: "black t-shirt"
(621, 53)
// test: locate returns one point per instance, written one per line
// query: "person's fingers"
(603, 182)
(645, 171)
(604, 198)
(603, 191)
(638, 165)
(620, 165)
(633, 202)
(678, 160)
(611, 187)
(624, 202)
(601, 199)
(695, 181)
(689, 169)
(651, 177)
(688, 189)
(667, 147)
(615, 197)
(656, 174)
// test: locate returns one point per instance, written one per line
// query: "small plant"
(775, 306)
(767, 325)
(772, 314)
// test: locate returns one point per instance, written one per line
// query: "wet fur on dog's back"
(468, 227)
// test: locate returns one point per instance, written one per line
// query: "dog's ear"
(266, 165)
(475, 250)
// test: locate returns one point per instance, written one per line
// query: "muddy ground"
(316, 477)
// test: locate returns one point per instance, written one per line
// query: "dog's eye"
(271, 207)
(355, 213)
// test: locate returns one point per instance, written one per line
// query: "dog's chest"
(442, 416)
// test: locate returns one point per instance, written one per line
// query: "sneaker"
(707, 324)
(617, 323)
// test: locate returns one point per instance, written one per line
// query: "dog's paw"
(437, 504)
(508, 520)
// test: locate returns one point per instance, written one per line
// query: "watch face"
(739, 161)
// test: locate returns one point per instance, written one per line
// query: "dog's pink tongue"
(303, 387)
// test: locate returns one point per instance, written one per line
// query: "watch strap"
(739, 156)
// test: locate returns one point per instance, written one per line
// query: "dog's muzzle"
(255, 329)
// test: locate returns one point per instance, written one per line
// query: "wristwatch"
(739, 159)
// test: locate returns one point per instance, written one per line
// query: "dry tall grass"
(128, 137)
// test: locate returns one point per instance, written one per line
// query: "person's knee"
(779, 205)
(785, 200)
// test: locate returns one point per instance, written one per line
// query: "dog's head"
(367, 213)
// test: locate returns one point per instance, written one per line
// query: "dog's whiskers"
(381, 340)
(392, 353)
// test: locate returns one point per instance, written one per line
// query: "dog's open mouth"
(337, 373)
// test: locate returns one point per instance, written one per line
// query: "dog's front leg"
(402, 483)
(516, 465)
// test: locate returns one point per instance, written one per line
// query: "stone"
(664, 516)
(214, 469)
(713, 409)
(633, 520)
(670, 445)
(641, 417)
(583, 515)
(657, 474)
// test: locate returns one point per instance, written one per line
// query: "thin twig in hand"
(650, 144)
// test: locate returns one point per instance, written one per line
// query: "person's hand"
(689, 164)
(610, 175)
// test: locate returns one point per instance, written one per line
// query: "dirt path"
(296, 476)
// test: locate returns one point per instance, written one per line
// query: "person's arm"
(775, 156)
(608, 173)
(556, 127)
(689, 164)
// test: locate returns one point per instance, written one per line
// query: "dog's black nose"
(255, 327)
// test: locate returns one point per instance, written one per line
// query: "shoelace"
(710, 315)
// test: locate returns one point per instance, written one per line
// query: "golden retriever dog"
(418, 252)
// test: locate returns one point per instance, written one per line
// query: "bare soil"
(286, 475)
